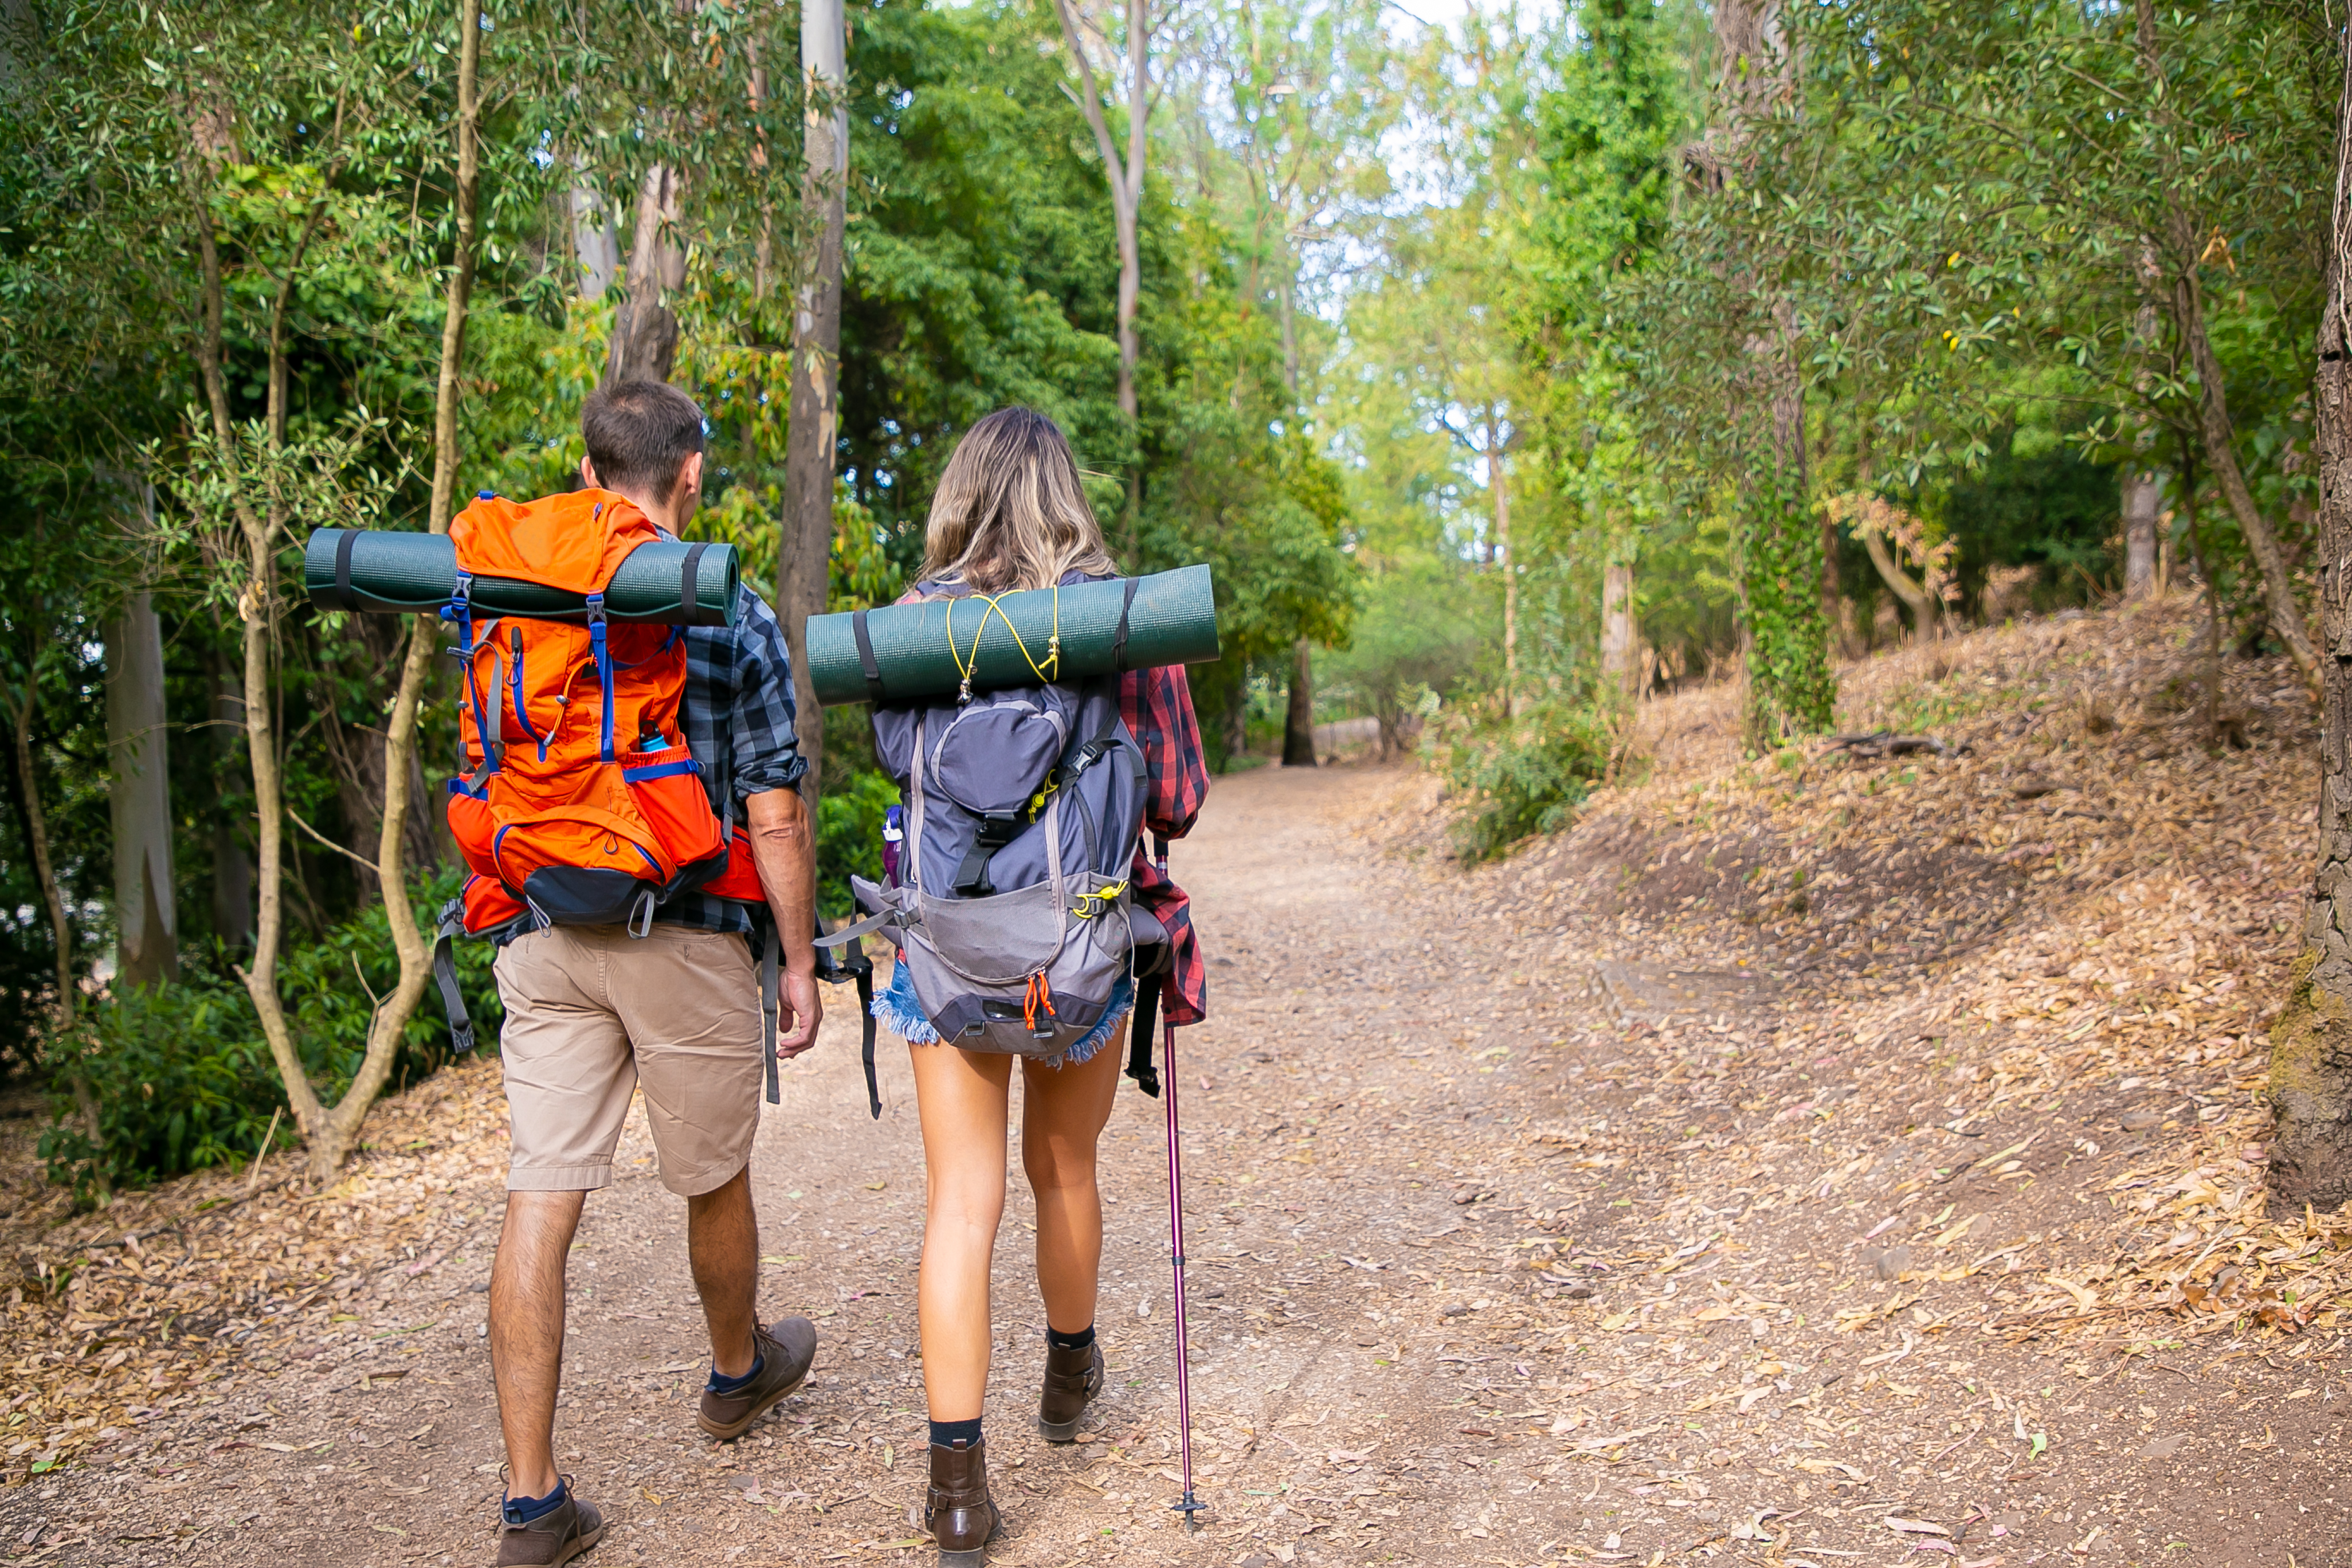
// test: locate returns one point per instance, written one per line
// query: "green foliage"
(181, 1079)
(1791, 689)
(849, 834)
(1527, 775)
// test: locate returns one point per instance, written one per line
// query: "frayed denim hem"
(896, 1010)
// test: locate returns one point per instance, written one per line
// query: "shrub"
(179, 1077)
(1527, 775)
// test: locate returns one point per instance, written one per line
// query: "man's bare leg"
(527, 1332)
(722, 1244)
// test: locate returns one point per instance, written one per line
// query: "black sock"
(523, 1510)
(946, 1434)
(1062, 1341)
(724, 1384)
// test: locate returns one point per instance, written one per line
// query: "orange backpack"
(583, 805)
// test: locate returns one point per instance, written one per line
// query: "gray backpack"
(1009, 900)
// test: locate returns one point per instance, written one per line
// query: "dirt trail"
(1455, 1299)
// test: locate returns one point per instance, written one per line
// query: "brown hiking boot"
(957, 1510)
(785, 1352)
(552, 1538)
(1072, 1380)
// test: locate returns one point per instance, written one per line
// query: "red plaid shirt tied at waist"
(1158, 707)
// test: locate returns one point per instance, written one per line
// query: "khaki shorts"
(592, 1013)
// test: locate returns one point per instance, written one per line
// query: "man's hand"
(800, 998)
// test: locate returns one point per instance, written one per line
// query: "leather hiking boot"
(1072, 1380)
(957, 1510)
(572, 1529)
(784, 1353)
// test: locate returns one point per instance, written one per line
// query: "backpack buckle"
(996, 830)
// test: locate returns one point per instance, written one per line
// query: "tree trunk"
(2185, 239)
(2311, 1044)
(341, 1127)
(232, 866)
(37, 836)
(1125, 177)
(595, 242)
(2142, 504)
(63, 1045)
(2221, 455)
(1620, 637)
(1501, 496)
(804, 556)
(1784, 638)
(1916, 599)
(645, 333)
(145, 909)
(1298, 719)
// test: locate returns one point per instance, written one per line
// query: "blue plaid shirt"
(738, 714)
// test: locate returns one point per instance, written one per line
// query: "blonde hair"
(1010, 511)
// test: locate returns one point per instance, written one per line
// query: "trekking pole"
(1190, 1505)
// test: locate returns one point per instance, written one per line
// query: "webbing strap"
(444, 975)
(770, 961)
(850, 933)
(604, 669)
(688, 574)
(343, 595)
(1139, 1030)
(1118, 646)
(866, 657)
(865, 1010)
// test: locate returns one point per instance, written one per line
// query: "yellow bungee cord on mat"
(965, 668)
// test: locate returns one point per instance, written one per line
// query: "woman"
(1011, 513)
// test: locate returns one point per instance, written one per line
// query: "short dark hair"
(638, 432)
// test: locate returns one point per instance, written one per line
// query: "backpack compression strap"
(834, 964)
(1146, 1022)
(444, 975)
(769, 965)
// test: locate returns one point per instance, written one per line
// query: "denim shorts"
(902, 1015)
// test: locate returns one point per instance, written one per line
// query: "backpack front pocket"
(667, 787)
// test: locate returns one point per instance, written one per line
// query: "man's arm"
(785, 850)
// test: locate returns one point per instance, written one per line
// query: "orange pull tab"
(1040, 994)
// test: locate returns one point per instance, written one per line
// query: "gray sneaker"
(785, 1352)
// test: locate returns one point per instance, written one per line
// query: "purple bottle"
(894, 834)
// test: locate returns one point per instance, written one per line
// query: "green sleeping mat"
(362, 569)
(1128, 623)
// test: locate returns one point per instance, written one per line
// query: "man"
(591, 1012)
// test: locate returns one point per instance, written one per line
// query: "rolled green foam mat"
(1173, 620)
(418, 572)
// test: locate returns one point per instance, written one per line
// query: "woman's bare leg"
(1062, 1111)
(960, 1098)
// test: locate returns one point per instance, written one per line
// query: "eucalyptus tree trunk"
(1298, 717)
(145, 909)
(2142, 494)
(1784, 636)
(804, 559)
(2311, 1043)
(1498, 493)
(595, 242)
(645, 333)
(1125, 177)
(1621, 636)
(36, 842)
